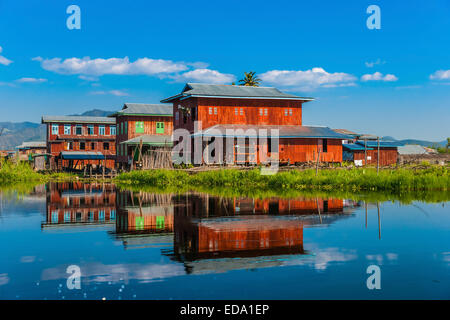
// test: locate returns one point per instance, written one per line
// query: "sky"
(391, 81)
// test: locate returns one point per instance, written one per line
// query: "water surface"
(141, 245)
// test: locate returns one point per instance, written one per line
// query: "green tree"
(250, 80)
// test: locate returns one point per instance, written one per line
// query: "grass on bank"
(11, 173)
(366, 179)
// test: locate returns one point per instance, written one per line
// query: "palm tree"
(250, 80)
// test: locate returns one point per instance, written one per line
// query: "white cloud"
(205, 76)
(88, 78)
(370, 64)
(31, 80)
(441, 75)
(308, 80)
(118, 66)
(118, 93)
(378, 76)
(4, 60)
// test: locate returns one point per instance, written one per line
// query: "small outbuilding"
(368, 152)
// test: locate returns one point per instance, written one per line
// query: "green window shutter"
(160, 222)
(160, 127)
(139, 222)
(139, 126)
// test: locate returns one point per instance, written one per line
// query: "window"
(105, 145)
(112, 130)
(69, 145)
(263, 112)
(177, 115)
(210, 110)
(290, 112)
(194, 113)
(101, 130)
(215, 110)
(242, 112)
(78, 130)
(325, 145)
(67, 128)
(66, 216)
(286, 112)
(139, 127)
(160, 127)
(54, 216)
(55, 129)
(236, 111)
(92, 145)
(82, 146)
(90, 129)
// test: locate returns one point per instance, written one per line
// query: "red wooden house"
(222, 109)
(137, 123)
(76, 142)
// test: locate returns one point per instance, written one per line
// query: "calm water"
(138, 245)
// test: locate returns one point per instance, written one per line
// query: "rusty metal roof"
(252, 131)
(232, 91)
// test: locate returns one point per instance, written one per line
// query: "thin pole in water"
(379, 220)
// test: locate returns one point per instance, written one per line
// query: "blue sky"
(392, 81)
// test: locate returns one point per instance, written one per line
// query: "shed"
(411, 149)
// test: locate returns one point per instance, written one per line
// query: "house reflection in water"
(79, 204)
(144, 219)
(258, 232)
(205, 233)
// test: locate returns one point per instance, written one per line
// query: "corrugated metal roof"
(82, 155)
(345, 131)
(368, 137)
(383, 144)
(78, 119)
(354, 147)
(412, 149)
(149, 139)
(284, 131)
(32, 144)
(232, 91)
(145, 109)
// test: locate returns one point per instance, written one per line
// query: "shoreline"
(424, 177)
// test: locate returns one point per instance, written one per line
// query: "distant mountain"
(423, 143)
(14, 133)
(95, 113)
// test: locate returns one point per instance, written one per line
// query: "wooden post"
(378, 155)
(318, 209)
(365, 152)
(379, 220)
(365, 205)
(318, 158)
(140, 152)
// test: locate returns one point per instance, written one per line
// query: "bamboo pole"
(318, 159)
(365, 205)
(379, 220)
(378, 155)
(365, 152)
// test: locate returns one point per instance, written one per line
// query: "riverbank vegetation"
(12, 173)
(429, 178)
